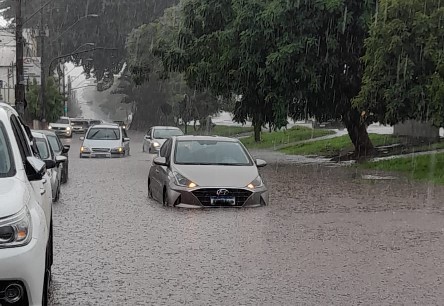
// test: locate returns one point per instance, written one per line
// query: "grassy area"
(273, 139)
(333, 147)
(221, 130)
(421, 167)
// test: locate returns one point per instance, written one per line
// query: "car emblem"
(222, 192)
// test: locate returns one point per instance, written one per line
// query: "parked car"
(206, 171)
(157, 135)
(60, 150)
(26, 232)
(47, 155)
(62, 127)
(105, 140)
(79, 125)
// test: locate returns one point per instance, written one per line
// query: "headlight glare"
(68, 128)
(16, 230)
(84, 149)
(183, 181)
(156, 144)
(256, 183)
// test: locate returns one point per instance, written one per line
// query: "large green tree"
(54, 100)
(404, 63)
(278, 56)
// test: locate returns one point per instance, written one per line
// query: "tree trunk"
(257, 131)
(357, 131)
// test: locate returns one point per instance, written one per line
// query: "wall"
(416, 129)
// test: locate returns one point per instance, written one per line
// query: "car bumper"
(63, 133)
(201, 197)
(26, 265)
(102, 155)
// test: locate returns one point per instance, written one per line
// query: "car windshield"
(103, 134)
(166, 133)
(63, 121)
(42, 147)
(54, 143)
(6, 162)
(78, 122)
(211, 152)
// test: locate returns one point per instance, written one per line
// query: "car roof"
(5, 109)
(38, 134)
(45, 132)
(106, 126)
(165, 127)
(218, 138)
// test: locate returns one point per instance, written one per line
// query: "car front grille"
(59, 128)
(204, 195)
(101, 150)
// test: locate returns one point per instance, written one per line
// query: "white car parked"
(105, 140)
(25, 216)
(62, 127)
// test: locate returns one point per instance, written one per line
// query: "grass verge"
(428, 167)
(333, 147)
(274, 139)
(221, 130)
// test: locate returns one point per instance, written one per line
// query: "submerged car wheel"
(165, 197)
(47, 279)
(150, 192)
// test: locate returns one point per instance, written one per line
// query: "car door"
(158, 173)
(147, 141)
(126, 143)
(41, 187)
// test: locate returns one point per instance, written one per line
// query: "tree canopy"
(404, 63)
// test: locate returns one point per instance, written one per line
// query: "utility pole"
(20, 102)
(42, 33)
(65, 100)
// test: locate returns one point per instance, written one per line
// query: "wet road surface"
(328, 238)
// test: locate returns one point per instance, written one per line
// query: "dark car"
(60, 150)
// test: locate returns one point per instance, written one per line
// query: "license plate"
(223, 201)
(101, 155)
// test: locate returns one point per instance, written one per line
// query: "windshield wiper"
(92, 136)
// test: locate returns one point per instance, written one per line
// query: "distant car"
(105, 140)
(121, 123)
(205, 171)
(60, 150)
(95, 122)
(157, 135)
(49, 157)
(62, 127)
(79, 125)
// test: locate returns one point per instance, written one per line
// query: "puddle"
(378, 177)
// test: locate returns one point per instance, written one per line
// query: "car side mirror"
(126, 139)
(50, 163)
(82, 138)
(60, 159)
(66, 148)
(147, 137)
(37, 167)
(260, 163)
(160, 161)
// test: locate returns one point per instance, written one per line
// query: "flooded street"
(328, 237)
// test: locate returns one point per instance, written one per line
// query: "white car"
(157, 135)
(105, 140)
(25, 216)
(62, 127)
(49, 157)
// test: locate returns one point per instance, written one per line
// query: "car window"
(149, 132)
(124, 133)
(211, 152)
(63, 121)
(42, 147)
(166, 133)
(6, 158)
(103, 134)
(164, 148)
(54, 143)
(21, 137)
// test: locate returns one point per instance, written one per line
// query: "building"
(7, 61)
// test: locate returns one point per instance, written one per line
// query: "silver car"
(206, 171)
(157, 135)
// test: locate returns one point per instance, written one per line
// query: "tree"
(404, 63)
(54, 100)
(116, 19)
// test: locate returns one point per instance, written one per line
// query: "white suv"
(25, 216)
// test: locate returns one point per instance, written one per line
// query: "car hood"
(13, 196)
(111, 144)
(218, 176)
(59, 125)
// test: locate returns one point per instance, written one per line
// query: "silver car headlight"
(16, 230)
(156, 144)
(256, 183)
(68, 128)
(183, 181)
(84, 149)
